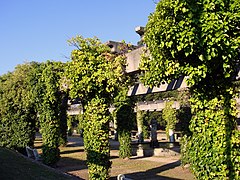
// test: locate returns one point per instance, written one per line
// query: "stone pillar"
(115, 129)
(153, 126)
(140, 126)
(140, 151)
(171, 135)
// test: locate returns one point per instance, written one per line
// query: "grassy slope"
(14, 166)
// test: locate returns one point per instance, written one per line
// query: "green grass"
(14, 166)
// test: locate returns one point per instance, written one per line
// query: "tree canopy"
(94, 75)
(93, 71)
(195, 39)
(17, 104)
(200, 40)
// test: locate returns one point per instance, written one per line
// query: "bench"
(32, 153)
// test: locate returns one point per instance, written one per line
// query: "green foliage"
(157, 115)
(146, 134)
(140, 118)
(124, 115)
(50, 110)
(63, 118)
(93, 71)
(234, 153)
(156, 96)
(145, 118)
(17, 109)
(80, 127)
(75, 122)
(30, 90)
(184, 116)
(70, 121)
(184, 142)
(96, 143)
(192, 39)
(201, 41)
(214, 141)
(94, 75)
(169, 115)
(125, 150)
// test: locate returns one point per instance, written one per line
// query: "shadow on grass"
(74, 144)
(71, 164)
(114, 157)
(153, 173)
(72, 151)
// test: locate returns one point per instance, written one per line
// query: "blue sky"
(38, 30)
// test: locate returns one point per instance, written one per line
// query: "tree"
(124, 115)
(200, 40)
(94, 75)
(51, 110)
(17, 103)
(33, 90)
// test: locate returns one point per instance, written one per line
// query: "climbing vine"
(50, 110)
(96, 138)
(140, 125)
(200, 41)
(125, 116)
(94, 75)
(169, 115)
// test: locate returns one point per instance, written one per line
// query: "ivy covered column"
(200, 40)
(169, 115)
(63, 118)
(94, 75)
(124, 115)
(50, 111)
(212, 127)
(96, 138)
(140, 126)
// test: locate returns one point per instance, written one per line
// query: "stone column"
(171, 135)
(140, 126)
(115, 129)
